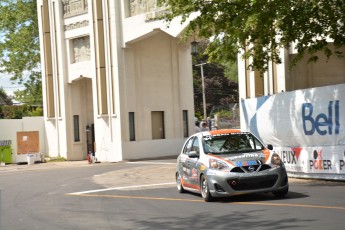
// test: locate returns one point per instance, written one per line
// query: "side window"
(196, 147)
(189, 145)
(258, 145)
(255, 144)
(252, 144)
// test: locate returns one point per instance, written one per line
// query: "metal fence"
(226, 116)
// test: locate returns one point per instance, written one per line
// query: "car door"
(190, 170)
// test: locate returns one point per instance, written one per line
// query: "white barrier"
(314, 162)
(305, 126)
(10, 127)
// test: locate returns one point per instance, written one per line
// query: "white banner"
(314, 162)
(305, 126)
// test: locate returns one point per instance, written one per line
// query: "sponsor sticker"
(246, 163)
(211, 172)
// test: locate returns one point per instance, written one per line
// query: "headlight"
(218, 165)
(276, 160)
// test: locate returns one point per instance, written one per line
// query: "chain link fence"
(226, 116)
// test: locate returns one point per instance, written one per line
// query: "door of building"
(90, 139)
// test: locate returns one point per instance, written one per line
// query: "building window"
(100, 54)
(185, 122)
(157, 122)
(48, 58)
(131, 127)
(76, 128)
(247, 74)
(274, 78)
(259, 84)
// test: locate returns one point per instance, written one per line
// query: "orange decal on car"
(267, 154)
(224, 131)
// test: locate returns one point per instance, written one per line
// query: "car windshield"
(231, 143)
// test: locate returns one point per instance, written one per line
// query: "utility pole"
(203, 88)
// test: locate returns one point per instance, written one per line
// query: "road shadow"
(236, 220)
(255, 197)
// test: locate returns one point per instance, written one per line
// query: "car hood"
(240, 158)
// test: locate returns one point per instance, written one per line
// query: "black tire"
(281, 193)
(205, 191)
(179, 183)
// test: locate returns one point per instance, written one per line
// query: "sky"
(7, 84)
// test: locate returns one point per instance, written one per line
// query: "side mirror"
(270, 147)
(193, 154)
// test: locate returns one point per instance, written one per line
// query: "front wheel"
(281, 193)
(205, 191)
(179, 183)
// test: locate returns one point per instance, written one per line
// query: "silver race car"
(229, 162)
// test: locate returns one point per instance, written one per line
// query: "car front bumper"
(223, 184)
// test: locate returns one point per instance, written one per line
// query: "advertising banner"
(306, 127)
(314, 162)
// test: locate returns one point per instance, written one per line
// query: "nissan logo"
(251, 168)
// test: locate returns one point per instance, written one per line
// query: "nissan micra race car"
(229, 162)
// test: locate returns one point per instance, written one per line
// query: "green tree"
(4, 101)
(4, 98)
(32, 94)
(269, 25)
(10, 111)
(220, 89)
(19, 46)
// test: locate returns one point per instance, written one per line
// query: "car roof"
(222, 131)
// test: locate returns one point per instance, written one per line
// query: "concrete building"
(300, 111)
(116, 81)
(281, 78)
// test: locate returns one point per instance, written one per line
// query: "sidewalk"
(41, 166)
(53, 164)
(145, 171)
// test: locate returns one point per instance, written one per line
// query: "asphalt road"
(142, 195)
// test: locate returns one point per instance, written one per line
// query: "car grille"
(252, 183)
(256, 168)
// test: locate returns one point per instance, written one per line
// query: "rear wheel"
(205, 192)
(179, 183)
(281, 193)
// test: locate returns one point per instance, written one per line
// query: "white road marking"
(130, 187)
(120, 188)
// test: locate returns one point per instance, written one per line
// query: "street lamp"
(194, 48)
(194, 52)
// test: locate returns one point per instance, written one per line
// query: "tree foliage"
(219, 88)
(32, 94)
(4, 98)
(19, 111)
(268, 24)
(8, 110)
(19, 51)
(19, 43)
